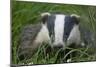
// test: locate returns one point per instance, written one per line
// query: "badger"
(59, 30)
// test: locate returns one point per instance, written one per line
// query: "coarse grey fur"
(28, 34)
(88, 36)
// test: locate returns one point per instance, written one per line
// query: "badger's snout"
(59, 45)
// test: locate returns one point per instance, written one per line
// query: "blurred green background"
(24, 13)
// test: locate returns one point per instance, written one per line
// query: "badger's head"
(60, 28)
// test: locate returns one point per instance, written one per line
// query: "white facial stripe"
(43, 35)
(59, 29)
(74, 36)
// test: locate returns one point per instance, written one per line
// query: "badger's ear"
(75, 15)
(44, 17)
(76, 18)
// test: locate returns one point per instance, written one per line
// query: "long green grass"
(24, 13)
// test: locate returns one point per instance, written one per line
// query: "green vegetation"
(24, 13)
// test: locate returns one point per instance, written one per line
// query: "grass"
(24, 13)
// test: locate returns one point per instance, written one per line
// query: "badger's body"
(58, 30)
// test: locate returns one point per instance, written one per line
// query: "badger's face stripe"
(74, 36)
(59, 29)
(68, 26)
(50, 24)
(43, 35)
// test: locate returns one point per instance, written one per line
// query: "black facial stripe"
(68, 26)
(50, 26)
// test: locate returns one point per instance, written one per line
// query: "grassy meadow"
(25, 13)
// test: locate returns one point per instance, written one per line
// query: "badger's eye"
(66, 33)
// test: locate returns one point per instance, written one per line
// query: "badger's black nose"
(58, 46)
